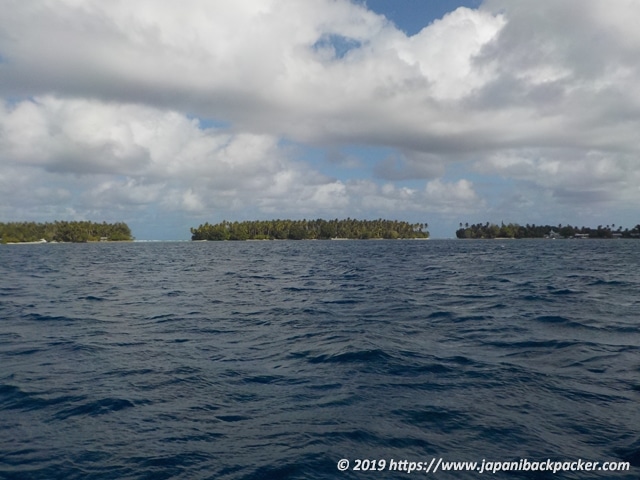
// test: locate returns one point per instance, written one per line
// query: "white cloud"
(126, 193)
(103, 101)
(368, 198)
(445, 52)
(256, 64)
(410, 165)
(456, 197)
(123, 154)
(566, 171)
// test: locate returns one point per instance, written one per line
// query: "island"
(310, 230)
(513, 230)
(64, 231)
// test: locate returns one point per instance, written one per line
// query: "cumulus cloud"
(111, 103)
(436, 197)
(268, 66)
(455, 197)
(410, 165)
(570, 176)
(137, 155)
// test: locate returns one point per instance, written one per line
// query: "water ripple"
(273, 360)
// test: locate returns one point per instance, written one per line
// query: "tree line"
(63, 231)
(309, 230)
(513, 230)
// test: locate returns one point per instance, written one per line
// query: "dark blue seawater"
(274, 360)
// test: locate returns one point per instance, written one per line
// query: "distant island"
(513, 230)
(310, 230)
(63, 231)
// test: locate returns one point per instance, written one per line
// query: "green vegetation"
(513, 230)
(16, 232)
(309, 230)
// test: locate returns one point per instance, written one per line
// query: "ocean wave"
(273, 360)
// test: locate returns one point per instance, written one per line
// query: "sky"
(167, 115)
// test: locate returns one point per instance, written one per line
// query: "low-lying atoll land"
(63, 231)
(310, 230)
(513, 230)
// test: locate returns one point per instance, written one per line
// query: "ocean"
(320, 360)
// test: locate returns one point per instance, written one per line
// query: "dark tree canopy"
(63, 231)
(513, 230)
(309, 230)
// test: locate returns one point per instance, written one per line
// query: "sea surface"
(276, 360)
